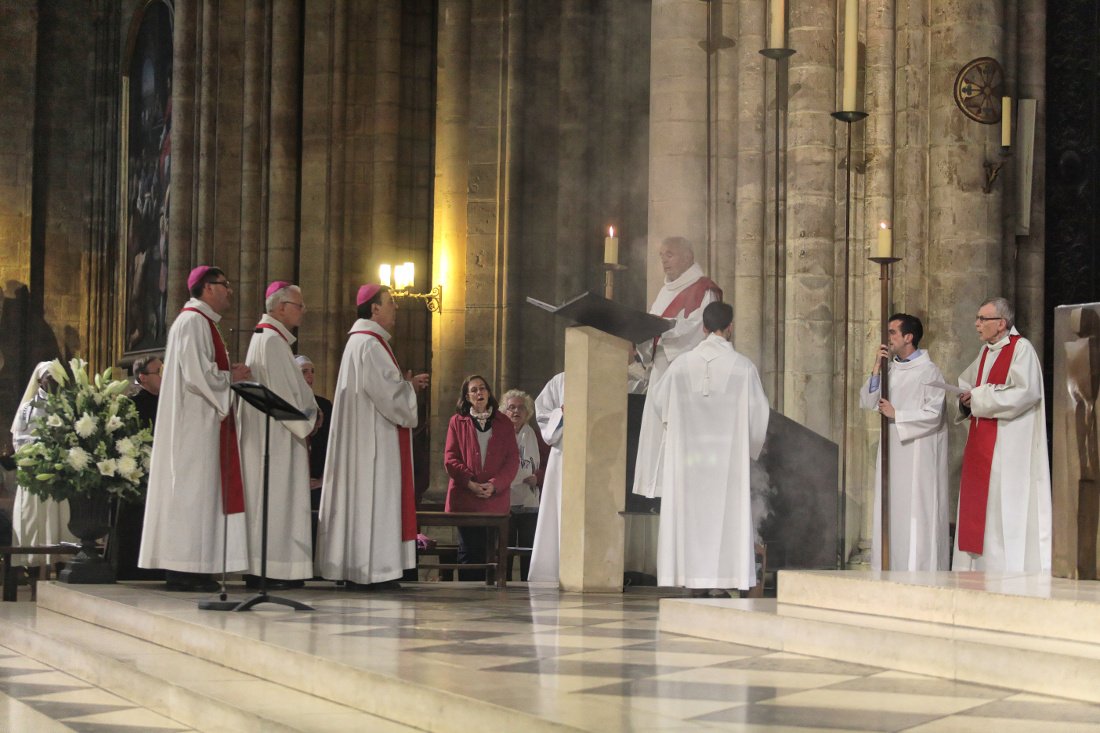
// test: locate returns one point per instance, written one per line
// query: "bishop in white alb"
(289, 546)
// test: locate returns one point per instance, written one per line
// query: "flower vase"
(89, 519)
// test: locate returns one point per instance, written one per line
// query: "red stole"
(689, 299)
(229, 454)
(404, 442)
(269, 327)
(978, 459)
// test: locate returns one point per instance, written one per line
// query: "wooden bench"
(10, 588)
(497, 524)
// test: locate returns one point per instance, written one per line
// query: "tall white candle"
(777, 31)
(851, 54)
(611, 247)
(885, 246)
(1006, 121)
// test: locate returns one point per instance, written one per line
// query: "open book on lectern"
(589, 309)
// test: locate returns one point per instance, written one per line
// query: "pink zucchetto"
(196, 275)
(366, 292)
(276, 287)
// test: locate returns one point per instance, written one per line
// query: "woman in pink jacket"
(481, 459)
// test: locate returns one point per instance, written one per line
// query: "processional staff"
(884, 256)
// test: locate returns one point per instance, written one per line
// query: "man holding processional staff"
(917, 434)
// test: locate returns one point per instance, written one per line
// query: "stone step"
(191, 691)
(1023, 604)
(900, 625)
(425, 695)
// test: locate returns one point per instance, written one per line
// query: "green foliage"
(88, 439)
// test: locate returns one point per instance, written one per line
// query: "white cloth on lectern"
(550, 418)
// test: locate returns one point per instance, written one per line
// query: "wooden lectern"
(594, 443)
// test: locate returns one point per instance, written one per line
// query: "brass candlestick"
(610, 270)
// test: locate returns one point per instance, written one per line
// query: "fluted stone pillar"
(1031, 43)
(878, 163)
(451, 197)
(250, 283)
(284, 128)
(964, 245)
(813, 221)
(677, 131)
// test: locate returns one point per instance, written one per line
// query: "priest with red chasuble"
(366, 532)
(1004, 522)
(195, 474)
(683, 296)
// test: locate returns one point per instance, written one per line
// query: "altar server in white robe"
(289, 544)
(686, 291)
(366, 533)
(194, 477)
(550, 416)
(1004, 520)
(917, 432)
(715, 415)
(36, 521)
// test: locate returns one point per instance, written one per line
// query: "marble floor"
(596, 661)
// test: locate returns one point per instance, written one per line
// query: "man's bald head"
(677, 256)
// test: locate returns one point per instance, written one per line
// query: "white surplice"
(549, 414)
(184, 522)
(1018, 511)
(714, 416)
(35, 521)
(686, 333)
(359, 529)
(919, 537)
(289, 544)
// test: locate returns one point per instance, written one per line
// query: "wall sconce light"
(400, 278)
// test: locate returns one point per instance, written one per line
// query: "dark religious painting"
(148, 175)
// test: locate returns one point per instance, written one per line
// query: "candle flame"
(611, 231)
(884, 225)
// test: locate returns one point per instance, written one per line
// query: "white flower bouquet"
(89, 439)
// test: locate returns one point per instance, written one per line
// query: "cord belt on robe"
(978, 459)
(689, 299)
(232, 485)
(404, 441)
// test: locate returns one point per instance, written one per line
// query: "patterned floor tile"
(829, 718)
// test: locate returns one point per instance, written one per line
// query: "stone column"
(814, 224)
(187, 35)
(964, 245)
(284, 128)
(877, 160)
(745, 262)
(451, 198)
(677, 131)
(1031, 249)
(250, 281)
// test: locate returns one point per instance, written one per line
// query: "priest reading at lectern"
(682, 298)
(714, 416)
(1004, 499)
(195, 477)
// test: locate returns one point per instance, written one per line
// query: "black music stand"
(274, 406)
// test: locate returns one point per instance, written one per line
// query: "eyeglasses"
(299, 305)
(223, 283)
(983, 319)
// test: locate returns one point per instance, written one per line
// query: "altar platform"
(464, 656)
(1025, 632)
